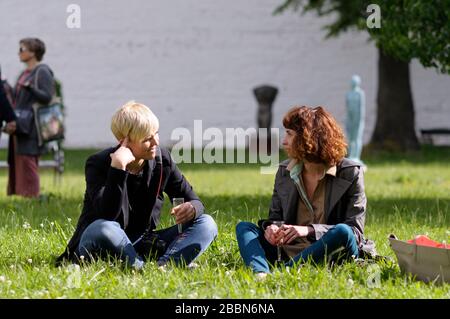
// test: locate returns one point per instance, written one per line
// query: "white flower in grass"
(30, 261)
(69, 219)
(42, 225)
(350, 282)
(52, 224)
(162, 269)
(26, 225)
(2, 278)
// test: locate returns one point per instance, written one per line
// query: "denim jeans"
(104, 237)
(258, 253)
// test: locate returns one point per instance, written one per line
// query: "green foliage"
(407, 195)
(59, 90)
(409, 28)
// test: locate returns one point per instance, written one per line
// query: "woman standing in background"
(34, 85)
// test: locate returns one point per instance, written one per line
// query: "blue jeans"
(257, 252)
(104, 237)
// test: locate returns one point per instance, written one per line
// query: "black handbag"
(24, 121)
(150, 245)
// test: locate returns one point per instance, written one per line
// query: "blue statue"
(356, 109)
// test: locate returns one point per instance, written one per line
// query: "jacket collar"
(295, 167)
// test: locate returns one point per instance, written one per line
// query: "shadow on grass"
(426, 211)
(411, 207)
(76, 158)
(54, 208)
(429, 211)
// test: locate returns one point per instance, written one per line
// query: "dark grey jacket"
(41, 90)
(345, 199)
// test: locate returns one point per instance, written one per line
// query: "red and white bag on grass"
(426, 259)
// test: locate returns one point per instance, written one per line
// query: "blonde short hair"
(134, 120)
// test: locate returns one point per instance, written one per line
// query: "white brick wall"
(198, 59)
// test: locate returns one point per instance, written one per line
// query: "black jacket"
(6, 111)
(107, 197)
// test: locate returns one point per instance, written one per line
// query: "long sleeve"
(355, 211)
(276, 209)
(105, 192)
(43, 86)
(178, 186)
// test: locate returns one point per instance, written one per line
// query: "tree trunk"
(395, 127)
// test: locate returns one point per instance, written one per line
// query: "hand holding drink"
(183, 212)
(177, 201)
(279, 236)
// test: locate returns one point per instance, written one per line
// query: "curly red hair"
(319, 138)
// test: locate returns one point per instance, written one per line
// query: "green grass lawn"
(407, 195)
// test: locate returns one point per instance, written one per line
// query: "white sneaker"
(162, 268)
(261, 276)
(138, 265)
(193, 266)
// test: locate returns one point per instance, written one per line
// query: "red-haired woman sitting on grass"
(318, 194)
